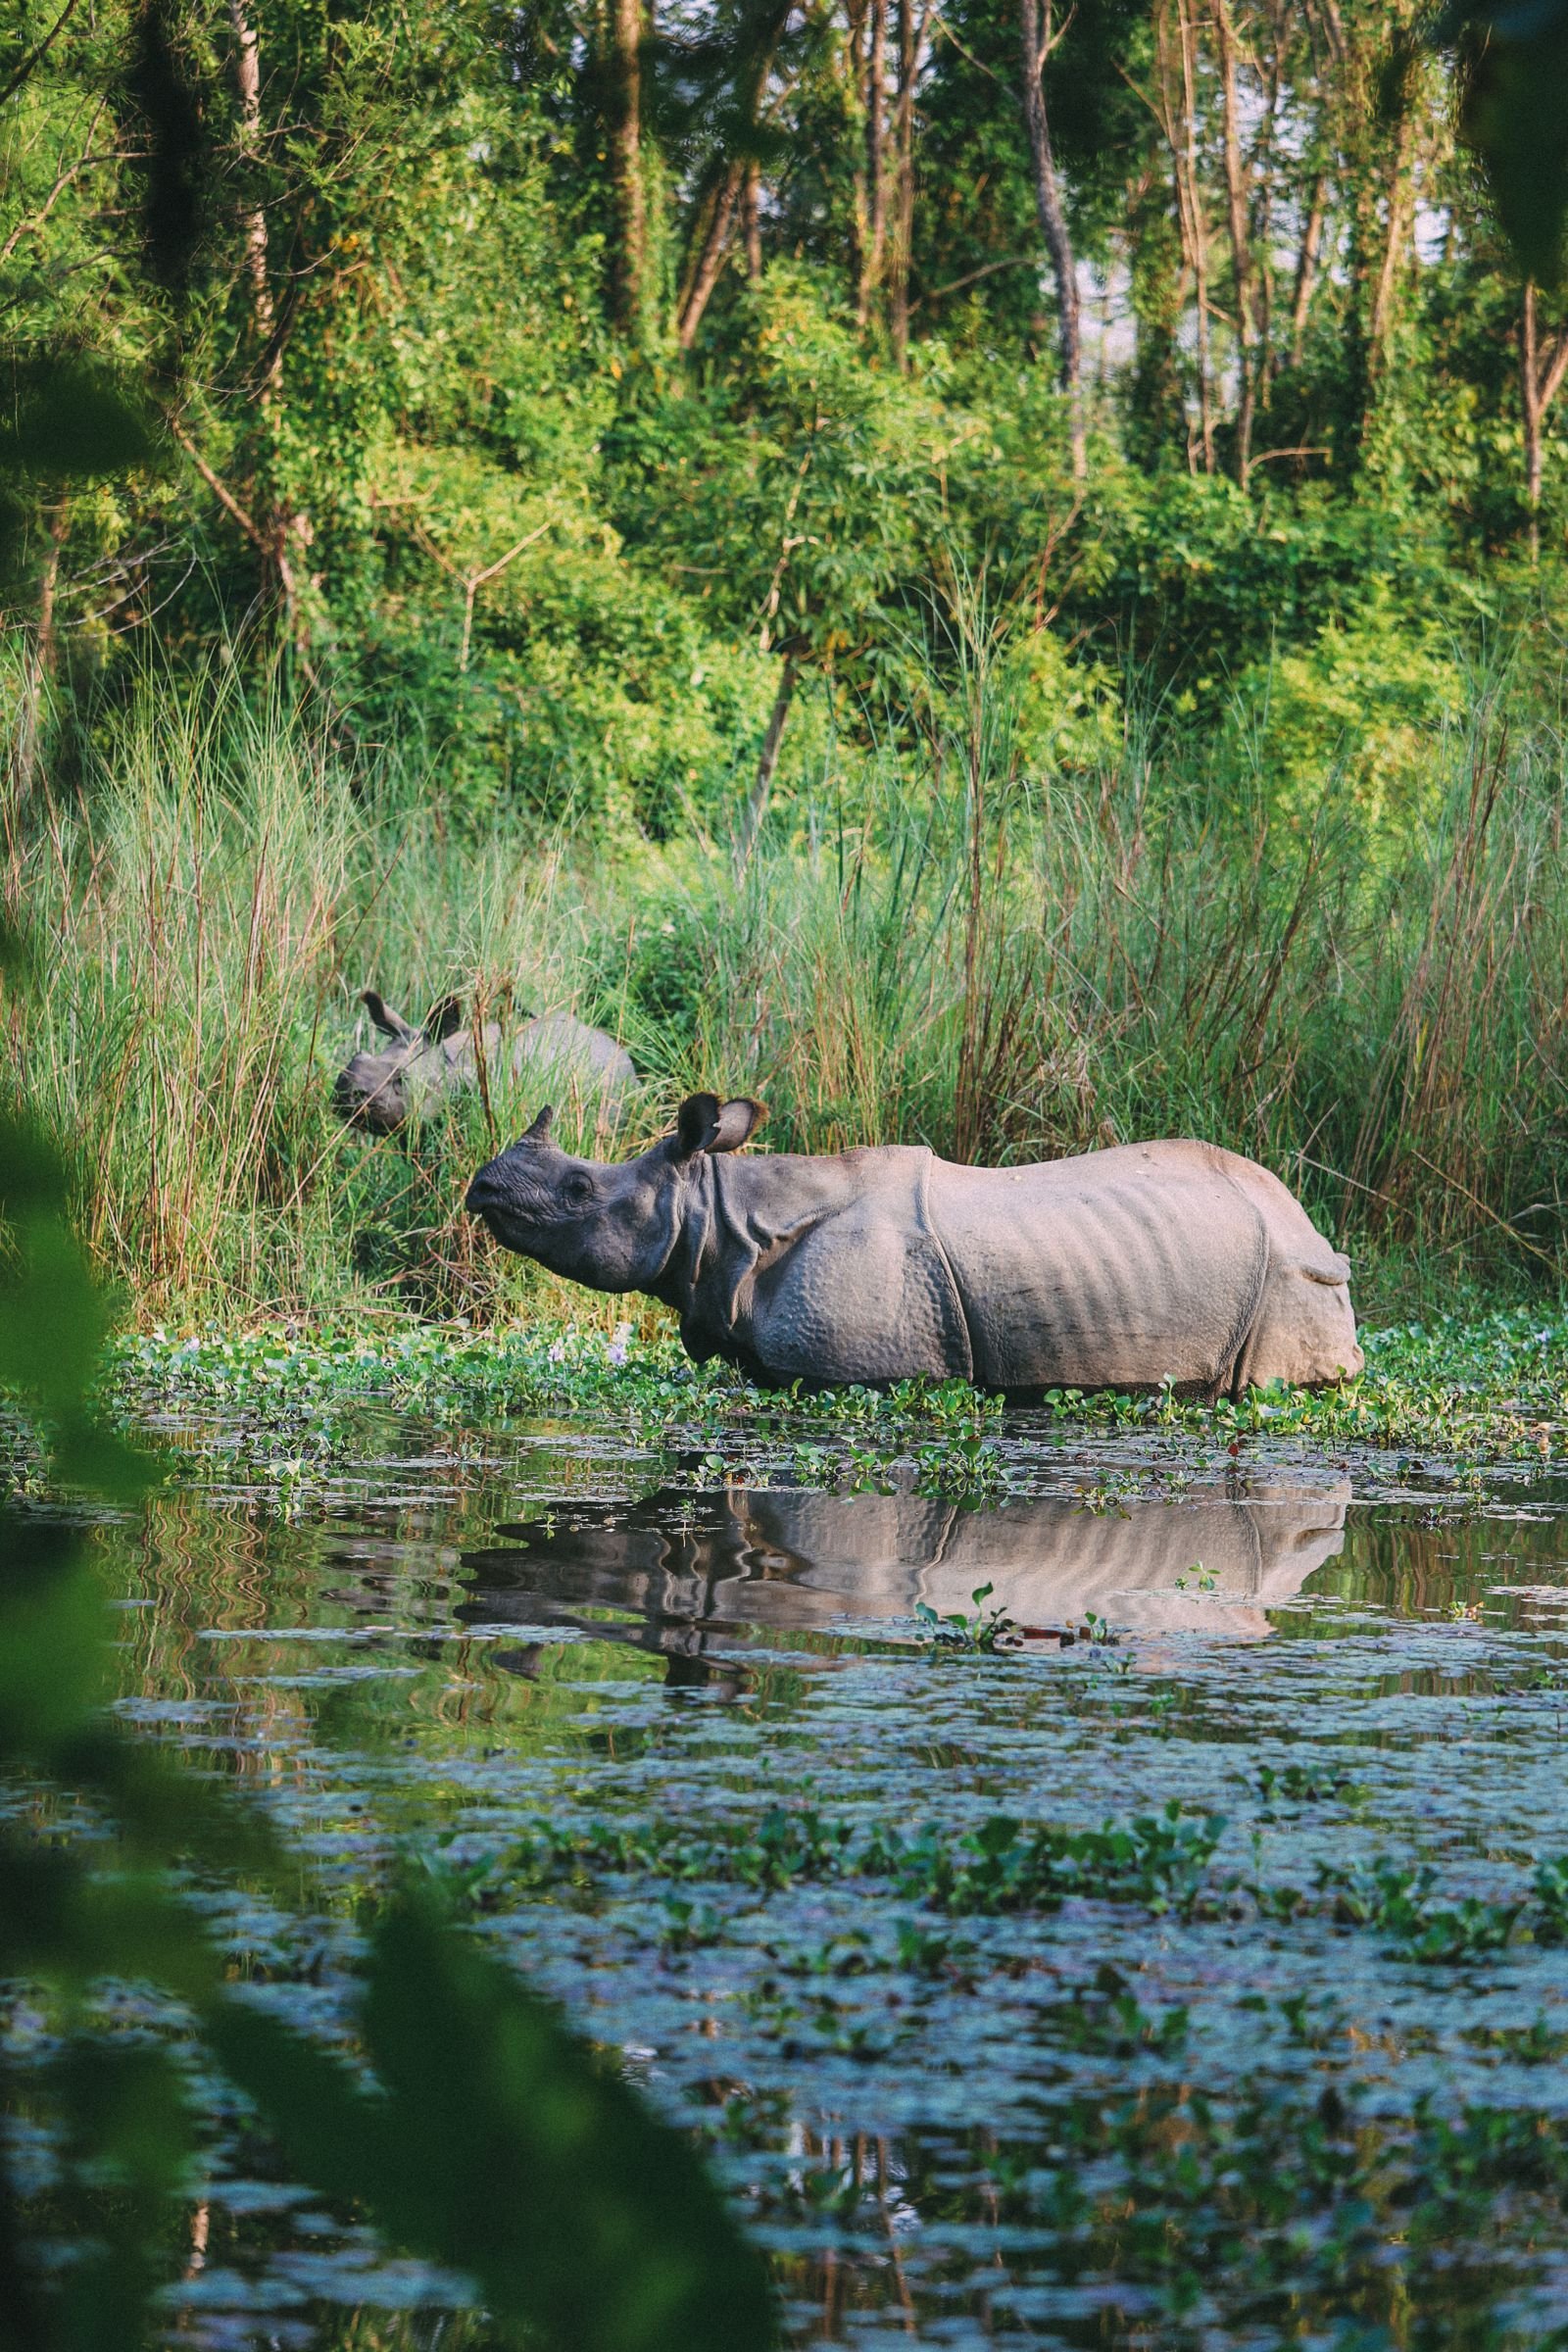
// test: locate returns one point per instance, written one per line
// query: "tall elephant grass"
(936, 943)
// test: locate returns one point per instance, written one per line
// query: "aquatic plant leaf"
(49, 1296)
(52, 1622)
(71, 1927)
(53, 1320)
(496, 2142)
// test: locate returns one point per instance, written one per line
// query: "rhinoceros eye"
(578, 1191)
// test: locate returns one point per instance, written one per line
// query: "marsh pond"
(1168, 1947)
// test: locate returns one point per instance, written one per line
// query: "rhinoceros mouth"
(379, 1109)
(486, 1200)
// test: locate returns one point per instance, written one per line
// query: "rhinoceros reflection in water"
(793, 1559)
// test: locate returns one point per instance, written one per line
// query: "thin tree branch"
(219, 488)
(36, 57)
(955, 285)
(31, 222)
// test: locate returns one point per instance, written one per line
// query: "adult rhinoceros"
(1120, 1269)
(417, 1067)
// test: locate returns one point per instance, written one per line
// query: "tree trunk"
(1154, 403)
(1236, 206)
(629, 262)
(902, 240)
(39, 660)
(1035, 40)
(1540, 380)
(697, 244)
(1264, 178)
(1531, 401)
(1194, 227)
(704, 276)
(1307, 272)
(1383, 297)
(848, 70)
(875, 244)
(48, 590)
(276, 524)
(248, 99)
(753, 227)
(735, 194)
(761, 789)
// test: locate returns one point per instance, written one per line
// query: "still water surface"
(1287, 2064)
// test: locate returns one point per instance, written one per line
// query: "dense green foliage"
(555, 407)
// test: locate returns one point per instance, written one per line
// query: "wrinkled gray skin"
(407, 1081)
(1122, 1269)
(798, 1559)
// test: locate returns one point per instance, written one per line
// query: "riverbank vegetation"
(1478, 1386)
(940, 944)
(990, 581)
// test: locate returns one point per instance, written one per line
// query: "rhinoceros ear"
(705, 1124)
(391, 1024)
(444, 1018)
(539, 1132)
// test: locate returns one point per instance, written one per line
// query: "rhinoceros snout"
(484, 1193)
(373, 1111)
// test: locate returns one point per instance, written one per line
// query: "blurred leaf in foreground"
(1512, 67)
(496, 2140)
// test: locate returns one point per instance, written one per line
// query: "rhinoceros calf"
(1118, 1270)
(407, 1081)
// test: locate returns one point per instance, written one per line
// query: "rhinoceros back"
(1124, 1268)
(557, 1045)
